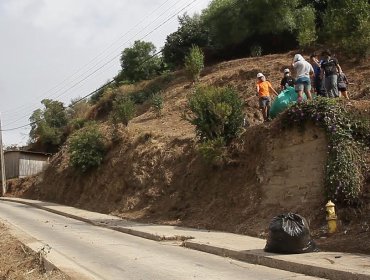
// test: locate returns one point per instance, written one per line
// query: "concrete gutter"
(292, 263)
(100, 220)
(240, 247)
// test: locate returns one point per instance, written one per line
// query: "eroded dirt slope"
(155, 174)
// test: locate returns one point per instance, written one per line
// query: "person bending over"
(303, 71)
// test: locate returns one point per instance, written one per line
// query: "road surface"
(107, 254)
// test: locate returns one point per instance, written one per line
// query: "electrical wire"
(110, 60)
(82, 98)
(44, 95)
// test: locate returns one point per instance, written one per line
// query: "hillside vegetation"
(152, 169)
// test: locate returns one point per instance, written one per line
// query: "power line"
(113, 58)
(111, 81)
(43, 95)
(82, 98)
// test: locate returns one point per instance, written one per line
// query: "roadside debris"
(289, 234)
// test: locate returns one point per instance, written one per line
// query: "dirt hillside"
(154, 173)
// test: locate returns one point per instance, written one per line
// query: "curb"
(30, 243)
(146, 235)
(258, 258)
(269, 261)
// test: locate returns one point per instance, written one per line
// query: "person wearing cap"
(287, 80)
(303, 71)
(263, 92)
(330, 69)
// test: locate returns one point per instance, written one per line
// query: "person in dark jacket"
(287, 80)
(316, 64)
(342, 85)
(330, 69)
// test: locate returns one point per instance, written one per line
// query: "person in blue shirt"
(316, 64)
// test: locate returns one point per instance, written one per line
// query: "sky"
(54, 48)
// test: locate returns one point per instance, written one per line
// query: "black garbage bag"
(289, 234)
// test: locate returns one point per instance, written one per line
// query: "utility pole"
(3, 179)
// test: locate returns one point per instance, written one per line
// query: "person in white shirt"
(303, 71)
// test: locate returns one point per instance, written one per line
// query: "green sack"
(285, 98)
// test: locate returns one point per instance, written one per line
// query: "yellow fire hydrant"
(331, 217)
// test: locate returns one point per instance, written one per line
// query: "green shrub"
(86, 148)
(157, 103)
(77, 123)
(194, 63)
(95, 98)
(212, 151)
(139, 97)
(346, 148)
(216, 113)
(256, 50)
(123, 110)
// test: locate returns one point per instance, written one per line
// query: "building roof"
(27, 152)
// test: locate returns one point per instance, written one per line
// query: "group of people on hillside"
(326, 73)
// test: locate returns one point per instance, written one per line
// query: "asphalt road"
(108, 254)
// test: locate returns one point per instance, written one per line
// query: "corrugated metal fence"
(20, 164)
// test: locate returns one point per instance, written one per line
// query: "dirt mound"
(154, 174)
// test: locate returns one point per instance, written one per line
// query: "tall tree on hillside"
(138, 62)
(306, 28)
(319, 7)
(191, 31)
(48, 124)
(347, 25)
(221, 18)
(233, 21)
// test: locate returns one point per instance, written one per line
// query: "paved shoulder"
(106, 254)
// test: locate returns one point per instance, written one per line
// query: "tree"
(194, 63)
(347, 25)
(306, 26)
(232, 22)
(138, 62)
(222, 19)
(48, 124)
(191, 31)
